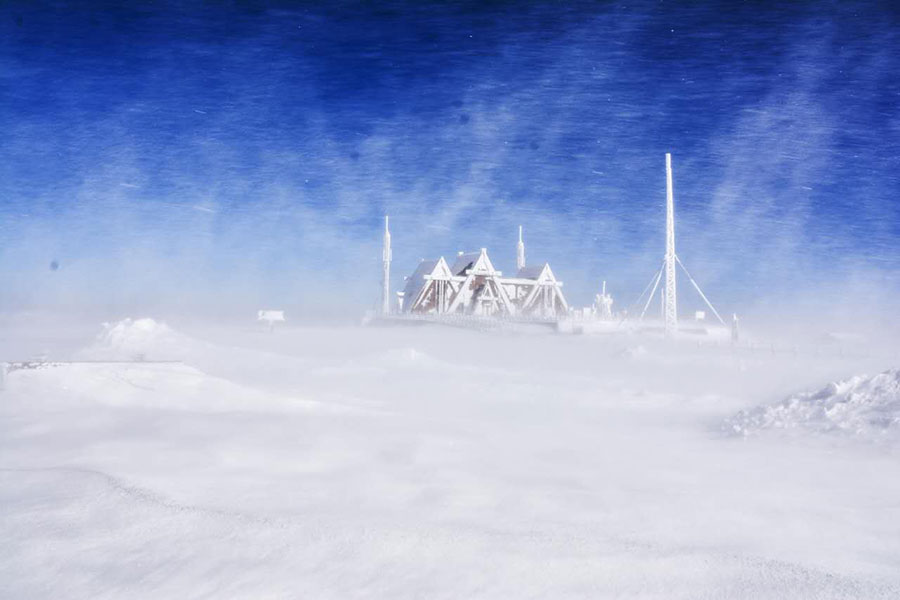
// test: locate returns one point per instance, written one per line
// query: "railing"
(479, 322)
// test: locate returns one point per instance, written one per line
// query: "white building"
(471, 285)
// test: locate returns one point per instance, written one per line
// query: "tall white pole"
(386, 274)
(671, 311)
(520, 252)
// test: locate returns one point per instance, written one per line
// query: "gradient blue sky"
(187, 153)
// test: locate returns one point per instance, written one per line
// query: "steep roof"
(479, 261)
(416, 281)
(531, 271)
(464, 262)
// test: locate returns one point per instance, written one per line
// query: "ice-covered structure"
(473, 286)
(469, 284)
(666, 274)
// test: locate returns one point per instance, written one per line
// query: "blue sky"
(186, 153)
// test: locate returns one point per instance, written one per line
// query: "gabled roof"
(437, 268)
(464, 262)
(416, 281)
(531, 271)
(478, 261)
(536, 273)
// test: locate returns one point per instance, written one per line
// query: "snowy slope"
(350, 463)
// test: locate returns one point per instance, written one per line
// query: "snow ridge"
(863, 406)
(137, 339)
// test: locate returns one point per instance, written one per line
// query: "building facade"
(472, 286)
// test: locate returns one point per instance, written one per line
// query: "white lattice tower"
(671, 309)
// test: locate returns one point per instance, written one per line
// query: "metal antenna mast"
(520, 252)
(386, 273)
(671, 309)
(668, 299)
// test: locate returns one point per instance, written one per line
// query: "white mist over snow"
(345, 462)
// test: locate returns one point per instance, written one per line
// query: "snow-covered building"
(537, 292)
(430, 288)
(471, 285)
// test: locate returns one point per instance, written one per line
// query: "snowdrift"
(138, 339)
(147, 340)
(863, 406)
(170, 386)
(142, 363)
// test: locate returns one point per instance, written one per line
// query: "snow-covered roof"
(464, 262)
(531, 271)
(416, 281)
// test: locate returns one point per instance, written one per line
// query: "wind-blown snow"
(864, 406)
(422, 462)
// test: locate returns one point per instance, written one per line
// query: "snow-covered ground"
(421, 462)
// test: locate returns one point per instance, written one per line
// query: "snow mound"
(633, 352)
(406, 357)
(864, 406)
(137, 339)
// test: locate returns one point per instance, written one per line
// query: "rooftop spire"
(386, 270)
(520, 252)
